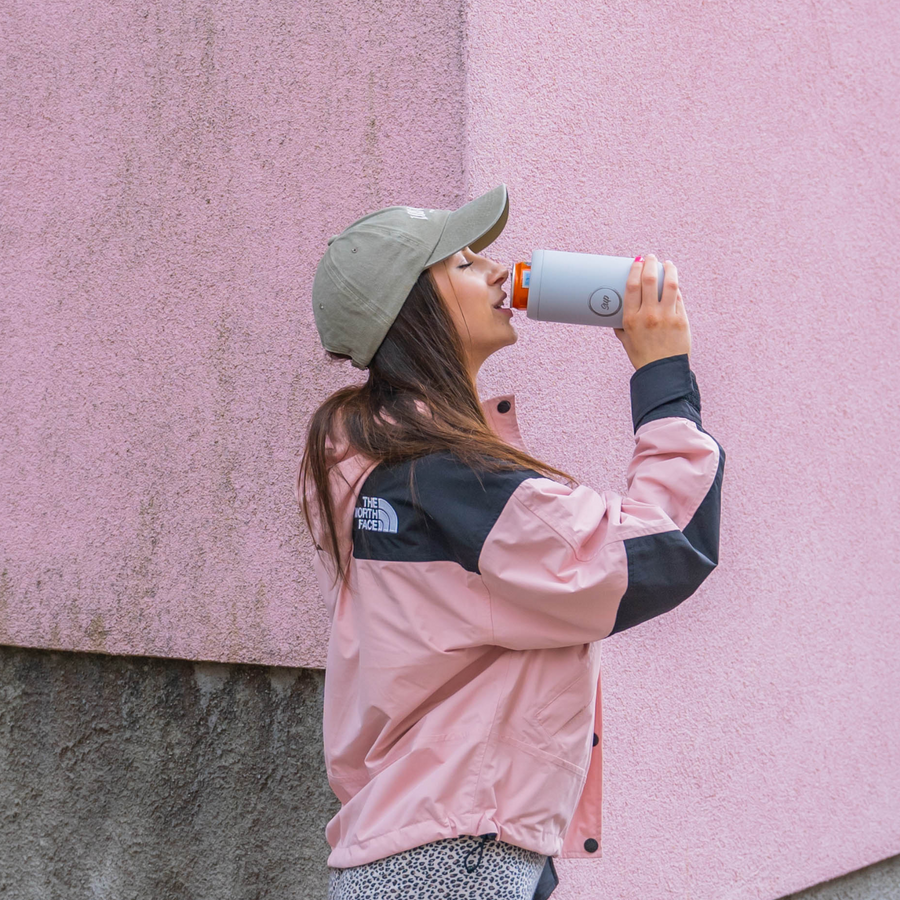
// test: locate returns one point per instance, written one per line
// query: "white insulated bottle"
(577, 288)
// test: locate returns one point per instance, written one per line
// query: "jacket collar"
(500, 412)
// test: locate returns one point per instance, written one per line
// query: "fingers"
(642, 286)
(632, 300)
(650, 280)
(670, 284)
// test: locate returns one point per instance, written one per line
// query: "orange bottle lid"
(520, 280)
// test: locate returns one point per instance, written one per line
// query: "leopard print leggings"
(467, 867)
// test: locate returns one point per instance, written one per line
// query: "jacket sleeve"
(566, 566)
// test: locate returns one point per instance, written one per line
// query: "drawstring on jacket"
(479, 850)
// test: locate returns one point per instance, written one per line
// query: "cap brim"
(475, 225)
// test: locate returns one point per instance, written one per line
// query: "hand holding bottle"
(653, 328)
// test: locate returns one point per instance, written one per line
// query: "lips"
(499, 303)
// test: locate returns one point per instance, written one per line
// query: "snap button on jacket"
(462, 683)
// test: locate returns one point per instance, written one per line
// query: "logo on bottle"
(375, 514)
(605, 302)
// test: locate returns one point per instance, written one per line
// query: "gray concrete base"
(135, 778)
(880, 881)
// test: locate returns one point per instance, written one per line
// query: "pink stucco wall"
(170, 180)
(170, 177)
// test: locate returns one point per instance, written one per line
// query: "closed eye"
(464, 266)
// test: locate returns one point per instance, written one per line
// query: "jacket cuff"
(662, 388)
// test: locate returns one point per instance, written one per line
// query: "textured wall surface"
(151, 779)
(751, 741)
(170, 175)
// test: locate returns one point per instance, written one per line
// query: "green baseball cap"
(369, 268)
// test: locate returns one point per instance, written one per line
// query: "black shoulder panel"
(449, 516)
(665, 569)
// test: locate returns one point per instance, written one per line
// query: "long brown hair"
(422, 358)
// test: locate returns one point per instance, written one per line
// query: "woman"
(469, 584)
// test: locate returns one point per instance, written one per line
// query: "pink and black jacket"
(462, 687)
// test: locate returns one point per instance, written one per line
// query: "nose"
(502, 273)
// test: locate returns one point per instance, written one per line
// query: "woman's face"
(472, 287)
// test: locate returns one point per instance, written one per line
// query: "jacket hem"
(410, 836)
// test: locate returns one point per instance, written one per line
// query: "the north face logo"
(375, 514)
